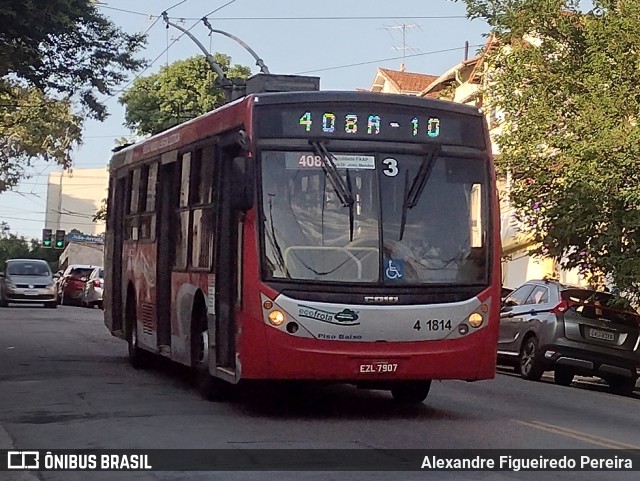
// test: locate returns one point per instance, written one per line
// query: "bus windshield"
(413, 220)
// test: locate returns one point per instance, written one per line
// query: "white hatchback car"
(92, 294)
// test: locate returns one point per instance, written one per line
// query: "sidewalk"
(7, 443)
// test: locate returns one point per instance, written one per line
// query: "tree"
(567, 83)
(54, 55)
(34, 126)
(65, 47)
(14, 247)
(178, 92)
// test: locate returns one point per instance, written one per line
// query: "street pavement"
(65, 384)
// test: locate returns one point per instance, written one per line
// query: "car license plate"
(377, 367)
(604, 335)
(30, 293)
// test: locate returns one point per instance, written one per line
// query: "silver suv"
(548, 326)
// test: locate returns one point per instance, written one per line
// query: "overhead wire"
(328, 18)
(116, 92)
(433, 52)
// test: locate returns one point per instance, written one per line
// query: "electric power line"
(433, 52)
(163, 52)
(40, 221)
(174, 6)
(326, 18)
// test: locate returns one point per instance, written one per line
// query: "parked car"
(72, 283)
(27, 281)
(548, 326)
(92, 294)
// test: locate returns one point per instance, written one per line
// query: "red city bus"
(326, 236)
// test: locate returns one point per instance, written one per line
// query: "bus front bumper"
(293, 358)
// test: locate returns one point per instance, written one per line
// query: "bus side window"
(182, 214)
(132, 206)
(203, 207)
(148, 200)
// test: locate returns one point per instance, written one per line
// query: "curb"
(7, 443)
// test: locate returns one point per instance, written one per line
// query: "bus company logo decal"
(346, 317)
(161, 143)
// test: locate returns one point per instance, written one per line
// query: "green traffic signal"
(47, 239)
(60, 238)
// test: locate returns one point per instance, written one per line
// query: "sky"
(337, 40)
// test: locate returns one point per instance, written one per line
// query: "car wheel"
(528, 361)
(563, 377)
(411, 392)
(624, 386)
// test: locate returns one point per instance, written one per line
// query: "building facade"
(74, 197)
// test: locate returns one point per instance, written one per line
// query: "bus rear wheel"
(137, 357)
(411, 392)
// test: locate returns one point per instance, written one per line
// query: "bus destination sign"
(388, 122)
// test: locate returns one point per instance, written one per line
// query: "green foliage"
(34, 126)
(567, 83)
(14, 247)
(55, 54)
(66, 47)
(178, 92)
(101, 213)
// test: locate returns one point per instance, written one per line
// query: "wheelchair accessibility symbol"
(394, 269)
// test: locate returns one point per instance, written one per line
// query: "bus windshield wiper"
(412, 196)
(329, 166)
(341, 188)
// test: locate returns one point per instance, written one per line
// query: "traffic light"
(46, 238)
(60, 239)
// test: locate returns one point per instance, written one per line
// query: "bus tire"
(211, 388)
(411, 392)
(137, 357)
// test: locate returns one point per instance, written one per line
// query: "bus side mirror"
(242, 190)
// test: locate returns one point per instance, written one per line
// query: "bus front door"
(227, 273)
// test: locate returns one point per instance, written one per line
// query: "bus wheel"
(411, 392)
(137, 357)
(210, 387)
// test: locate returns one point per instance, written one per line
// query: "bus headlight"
(475, 320)
(276, 317)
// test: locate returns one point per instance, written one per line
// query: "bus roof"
(365, 97)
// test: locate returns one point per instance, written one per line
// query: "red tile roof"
(407, 81)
